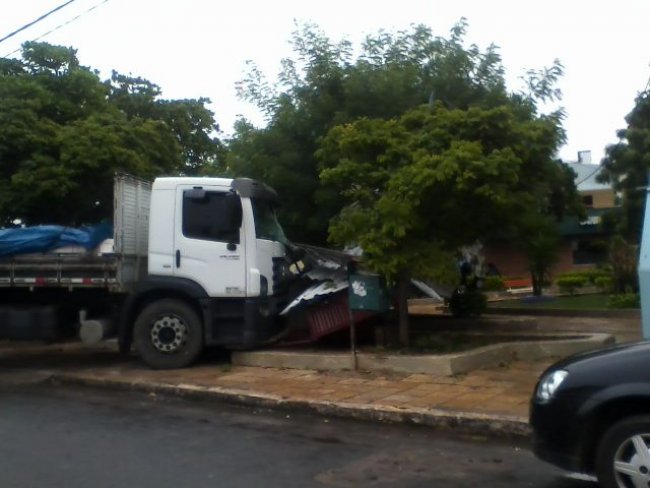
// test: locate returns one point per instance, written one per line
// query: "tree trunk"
(537, 277)
(402, 306)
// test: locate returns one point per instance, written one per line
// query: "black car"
(590, 413)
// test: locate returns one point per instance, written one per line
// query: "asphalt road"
(67, 437)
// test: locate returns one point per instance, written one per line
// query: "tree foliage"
(64, 132)
(627, 163)
(624, 261)
(324, 85)
(434, 179)
(539, 239)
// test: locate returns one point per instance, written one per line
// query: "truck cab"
(217, 270)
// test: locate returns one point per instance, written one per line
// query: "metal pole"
(351, 268)
(644, 271)
(353, 340)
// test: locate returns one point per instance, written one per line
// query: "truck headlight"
(549, 384)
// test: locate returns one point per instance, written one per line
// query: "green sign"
(368, 292)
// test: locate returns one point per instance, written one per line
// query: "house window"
(590, 251)
(588, 200)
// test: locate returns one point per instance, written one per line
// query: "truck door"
(208, 242)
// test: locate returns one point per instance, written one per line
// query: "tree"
(324, 85)
(534, 228)
(624, 260)
(539, 240)
(626, 165)
(419, 186)
(64, 133)
(190, 121)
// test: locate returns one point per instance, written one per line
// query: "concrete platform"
(545, 347)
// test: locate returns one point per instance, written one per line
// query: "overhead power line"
(26, 26)
(69, 21)
(596, 170)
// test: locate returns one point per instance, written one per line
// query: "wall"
(602, 198)
(512, 263)
(509, 261)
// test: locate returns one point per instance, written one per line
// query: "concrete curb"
(469, 422)
(545, 345)
(559, 312)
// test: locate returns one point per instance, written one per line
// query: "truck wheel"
(168, 334)
(623, 455)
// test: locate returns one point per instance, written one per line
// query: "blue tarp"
(45, 238)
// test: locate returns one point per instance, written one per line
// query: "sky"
(198, 48)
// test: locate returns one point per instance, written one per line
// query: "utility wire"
(60, 25)
(598, 168)
(26, 26)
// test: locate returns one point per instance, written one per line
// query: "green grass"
(576, 302)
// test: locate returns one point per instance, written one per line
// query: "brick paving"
(502, 391)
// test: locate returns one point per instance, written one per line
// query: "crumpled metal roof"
(327, 268)
(320, 289)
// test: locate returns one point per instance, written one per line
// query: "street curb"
(561, 312)
(467, 422)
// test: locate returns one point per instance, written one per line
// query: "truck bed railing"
(60, 270)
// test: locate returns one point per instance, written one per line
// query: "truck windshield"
(266, 223)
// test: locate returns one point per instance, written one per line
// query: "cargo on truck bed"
(112, 256)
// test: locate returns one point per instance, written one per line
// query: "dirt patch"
(449, 342)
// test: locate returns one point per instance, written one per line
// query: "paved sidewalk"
(491, 400)
(487, 401)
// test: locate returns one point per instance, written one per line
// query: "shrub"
(464, 303)
(493, 283)
(593, 275)
(570, 283)
(604, 283)
(589, 275)
(624, 300)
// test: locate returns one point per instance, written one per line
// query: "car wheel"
(623, 454)
(168, 334)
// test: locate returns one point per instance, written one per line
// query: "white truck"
(194, 262)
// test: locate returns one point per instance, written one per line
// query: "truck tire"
(623, 455)
(168, 334)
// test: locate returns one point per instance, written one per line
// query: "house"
(584, 242)
(587, 240)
